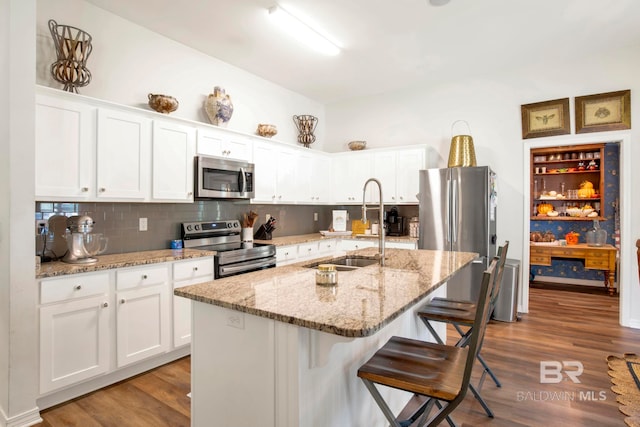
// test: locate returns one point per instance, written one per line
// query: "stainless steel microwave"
(221, 178)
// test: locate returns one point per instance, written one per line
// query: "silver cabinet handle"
(84, 189)
(102, 189)
(190, 193)
(195, 268)
(144, 277)
(105, 304)
(122, 301)
(77, 287)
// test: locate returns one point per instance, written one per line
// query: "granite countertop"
(363, 301)
(305, 238)
(131, 259)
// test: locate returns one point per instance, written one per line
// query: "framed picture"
(604, 111)
(545, 118)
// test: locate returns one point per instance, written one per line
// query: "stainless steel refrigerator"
(458, 213)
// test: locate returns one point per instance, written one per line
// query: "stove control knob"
(189, 228)
(197, 227)
(236, 224)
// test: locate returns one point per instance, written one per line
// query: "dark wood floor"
(561, 325)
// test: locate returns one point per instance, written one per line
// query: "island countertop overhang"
(363, 301)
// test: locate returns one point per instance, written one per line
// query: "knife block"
(262, 234)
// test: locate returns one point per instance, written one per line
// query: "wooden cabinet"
(74, 329)
(185, 273)
(556, 175)
(142, 313)
(173, 151)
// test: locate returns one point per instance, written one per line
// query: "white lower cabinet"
(352, 245)
(142, 313)
(94, 324)
(74, 329)
(187, 273)
(286, 254)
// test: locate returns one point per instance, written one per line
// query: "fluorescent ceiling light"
(303, 32)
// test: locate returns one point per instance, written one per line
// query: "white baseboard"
(26, 419)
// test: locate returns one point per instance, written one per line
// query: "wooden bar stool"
(461, 314)
(439, 375)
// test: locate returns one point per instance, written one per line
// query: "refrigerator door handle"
(448, 213)
(454, 222)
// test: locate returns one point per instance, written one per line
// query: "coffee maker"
(394, 223)
(82, 243)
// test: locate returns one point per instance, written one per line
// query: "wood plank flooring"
(561, 326)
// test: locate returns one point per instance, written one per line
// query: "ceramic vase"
(219, 107)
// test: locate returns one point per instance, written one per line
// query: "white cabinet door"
(220, 143)
(142, 313)
(74, 329)
(350, 172)
(187, 273)
(408, 165)
(384, 169)
(123, 154)
(320, 177)
(313, 171)
(65, 149)
(275, 172)
(173, 150)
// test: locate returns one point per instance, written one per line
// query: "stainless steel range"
(233, 256)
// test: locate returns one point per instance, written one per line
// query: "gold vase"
(461, 152)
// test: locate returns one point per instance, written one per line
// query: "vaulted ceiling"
(389, 44)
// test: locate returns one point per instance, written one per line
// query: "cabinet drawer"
(307, 250)
(72, 287)
(146, 276)
(286, 253)
(569, 253)
(540, 259)
(192, 269)
(327, 246)
(597, 263)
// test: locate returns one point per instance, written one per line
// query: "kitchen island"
(272, 348)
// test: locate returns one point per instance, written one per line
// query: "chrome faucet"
(380, 216)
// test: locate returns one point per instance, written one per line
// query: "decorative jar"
(219, 107)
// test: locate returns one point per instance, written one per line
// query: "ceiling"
(388, 45)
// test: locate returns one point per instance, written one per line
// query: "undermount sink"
(345, 263)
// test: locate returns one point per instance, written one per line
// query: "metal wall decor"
(306, 124)
(73, 47)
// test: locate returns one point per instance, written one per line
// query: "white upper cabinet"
(313, 171)
(173, 151)
(123, 147)
(65, 149)
(350, 172)
(275, 173)
(397, 170)
(220, 143)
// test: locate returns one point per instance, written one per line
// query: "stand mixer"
(83, 245)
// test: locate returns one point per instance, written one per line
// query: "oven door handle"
(225, 271)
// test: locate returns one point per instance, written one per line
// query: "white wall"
(128, 62)
(18, 291)
(491, 106)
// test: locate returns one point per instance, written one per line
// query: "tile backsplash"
(120, 221)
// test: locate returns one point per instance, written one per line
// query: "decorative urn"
(219, 107)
